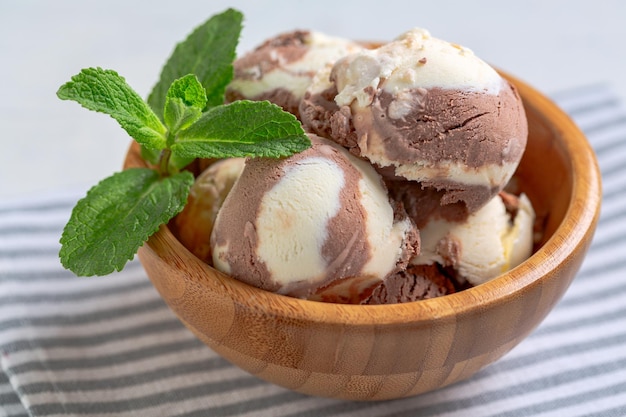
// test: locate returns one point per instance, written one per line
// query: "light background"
(50, 145)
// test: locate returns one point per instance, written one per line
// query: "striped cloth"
(109, 346)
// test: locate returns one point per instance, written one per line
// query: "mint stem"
(164, 162)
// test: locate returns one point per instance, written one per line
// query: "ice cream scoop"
(280, 69)
(316, 225)
(195, 223)
(488, 243)
(425, 110)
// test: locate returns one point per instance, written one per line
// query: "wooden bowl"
(392, 351)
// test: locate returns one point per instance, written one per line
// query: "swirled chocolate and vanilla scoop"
(424, 110)
(316, 225)
(282, 68)
(459, 254)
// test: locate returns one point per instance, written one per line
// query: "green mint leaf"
(189, 90)
(117, 216)
(242, 128)
(107, 92)
(184, 103)
(208, 52)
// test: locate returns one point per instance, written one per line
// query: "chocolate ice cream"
(417, 282)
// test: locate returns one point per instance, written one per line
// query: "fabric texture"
(110, 346)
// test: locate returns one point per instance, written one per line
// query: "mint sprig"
(183, 119)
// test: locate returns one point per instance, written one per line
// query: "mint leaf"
(242, 128)
(117, 216)
(189, 90)
(184, 103)
(208, 52)
(107, 92)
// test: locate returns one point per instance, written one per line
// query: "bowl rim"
(575, 229)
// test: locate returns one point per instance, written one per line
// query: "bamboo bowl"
(392, 351)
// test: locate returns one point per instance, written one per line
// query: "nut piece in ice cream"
(316, 225)
(281, 69)
(423, 110)
(195, 223)
(491, 241)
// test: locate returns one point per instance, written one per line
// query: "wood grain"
(392, 351)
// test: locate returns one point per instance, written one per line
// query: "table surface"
(49, 144)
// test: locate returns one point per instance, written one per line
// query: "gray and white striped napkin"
(109, 346)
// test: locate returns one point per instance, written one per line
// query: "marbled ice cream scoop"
(424, 110)
(491, 241)
(195, 223)
(281, 69)
(460, 254)
(317, 225)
